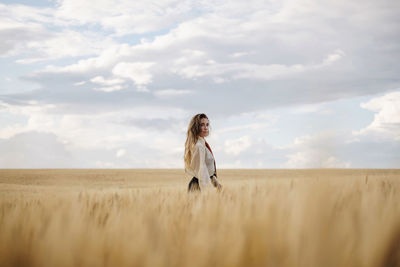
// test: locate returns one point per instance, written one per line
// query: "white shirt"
(202, 164)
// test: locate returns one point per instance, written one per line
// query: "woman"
(199, 159)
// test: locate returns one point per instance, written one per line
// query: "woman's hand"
(219, 187)
(215, 182)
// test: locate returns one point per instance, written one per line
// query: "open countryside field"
(142, 217)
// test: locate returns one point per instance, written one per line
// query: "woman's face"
(204, 124)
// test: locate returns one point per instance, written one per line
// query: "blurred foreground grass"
(327, 217)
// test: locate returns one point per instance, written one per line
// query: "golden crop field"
(142, 217)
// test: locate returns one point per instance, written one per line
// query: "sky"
(285, 84)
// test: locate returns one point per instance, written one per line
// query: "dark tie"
(215, 166)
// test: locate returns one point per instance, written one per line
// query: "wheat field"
(143, 217)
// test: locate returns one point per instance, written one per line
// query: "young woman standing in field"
(199, 159)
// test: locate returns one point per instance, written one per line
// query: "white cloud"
(237, 47)
(386, 123)
(239, 70)
(315, 151)
(25, 14)
(242, 57)
(251, 126)
(241, 54)
(138, 72)
(34, 111)
(80, 83)
(64, 44)
(102, 81)
(103, 62)
(313, 159)
(120, 153)
(236, 146)
(338, 54)
(15, 34)
(124, 17)
(36, 150)
(27, 32)
(171, 92)
(84, 131)
(109, 85)
(311, 108)
(254, 122)
(106, 130)
(109, 89)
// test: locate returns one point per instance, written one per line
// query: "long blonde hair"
(192, 136)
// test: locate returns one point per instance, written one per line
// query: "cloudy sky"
(114, 83)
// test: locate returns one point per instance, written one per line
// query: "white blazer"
(202, 164)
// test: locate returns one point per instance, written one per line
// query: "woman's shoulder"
(200, 143)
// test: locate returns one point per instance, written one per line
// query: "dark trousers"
(194, 185)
